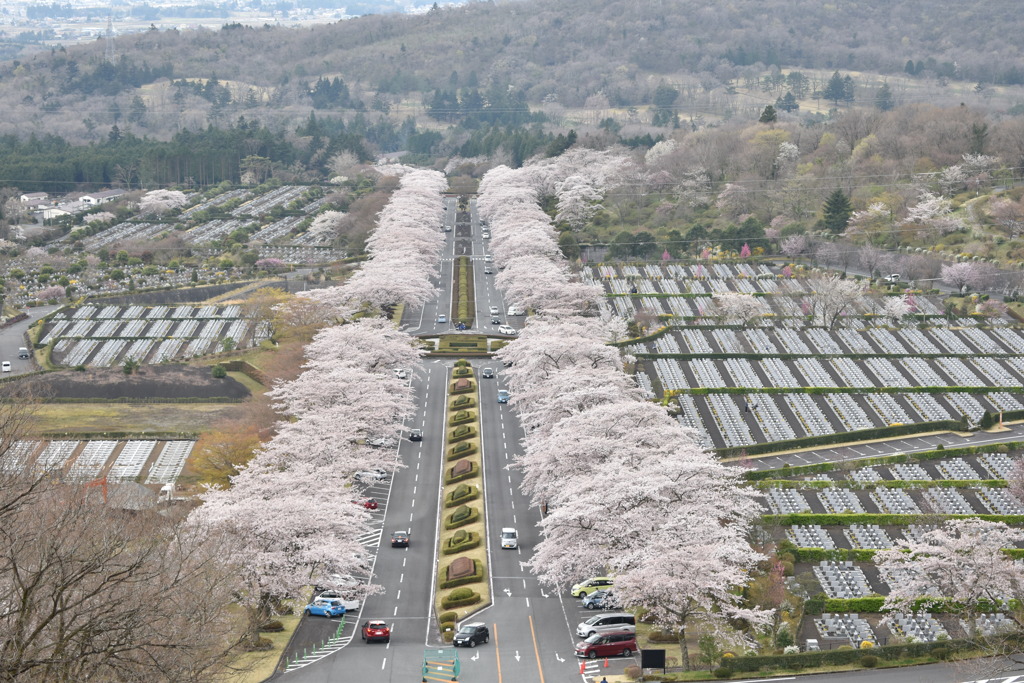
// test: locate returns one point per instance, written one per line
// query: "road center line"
(536, 651)
(497, 650)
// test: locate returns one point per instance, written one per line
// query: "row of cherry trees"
(626, 490)
(292, 511)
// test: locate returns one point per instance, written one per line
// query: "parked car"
(601, 599)
(6, 366)
(401, 373)
(336, 582)
(325, 608)
(507, 329)
(381, 442)
(442, 318)
(495, 310)
(471, 635)
(415, 435)
(603, 623)
(350, 603)
(370, 476)
(509, 538)
(369, 503)
(487, 373)
(23, 352)
(516, 310)
(590, 585)
(607, 645)
(375, 629)
(399, 539)
(503, 396)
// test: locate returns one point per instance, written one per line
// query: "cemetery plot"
(860, 362)
(110, 335)
(95, 459)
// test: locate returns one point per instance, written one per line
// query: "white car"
(506, 329)
(509, 538)
(6, 366)
(488, 258)
(370, 476)
(486, 235)
(495, 310)
(351, 603)
(401, 373)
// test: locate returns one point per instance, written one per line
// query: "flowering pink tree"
(745, 251)
(738, 308)
(794, 245)
(270, 263)
(962, 276)
(284, 537)
(787, 271)
(159, 202)
(54, 292)
(960, 564)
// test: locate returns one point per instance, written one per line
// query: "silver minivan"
(614, 621)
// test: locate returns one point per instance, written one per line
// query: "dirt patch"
(150, 382)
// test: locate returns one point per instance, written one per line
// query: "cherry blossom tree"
(832, 298)
(794, 245)
(932, 214)
(325, 226)
(895, 308)
(159, 202)
(99, 217)
(962, 276)
(738, 308)
(577, 201)
(960, 564)
(54, 292)
(281, 536)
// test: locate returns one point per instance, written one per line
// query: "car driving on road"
(509, 538)
(415, 435)
(503, 396)
(471, 635)
(400, 539)
(487, 373)
(506, 329)
(442, 318)
(375, 630)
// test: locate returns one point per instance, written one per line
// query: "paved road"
(12, 338)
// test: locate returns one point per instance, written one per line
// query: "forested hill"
(563, 52)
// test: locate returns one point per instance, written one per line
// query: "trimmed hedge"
(888, 459)
(449, 523)
(462, 403)
(461, 417)
(806, 660)
(885, 483)
(461, 433)
(470, 387)
(463, 493)
(470, 540)
(473, 472)
(475, 577)
(842, 437)
(885, 520)
(449, 603)
(455, 452)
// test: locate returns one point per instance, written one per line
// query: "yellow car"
(590, 585)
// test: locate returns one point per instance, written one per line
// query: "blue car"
(503, 396)
(325, 608)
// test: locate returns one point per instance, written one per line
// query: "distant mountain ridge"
(564, 51)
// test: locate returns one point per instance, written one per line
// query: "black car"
(487, 373)
(472, 635)
(400, 539)
(415, 435)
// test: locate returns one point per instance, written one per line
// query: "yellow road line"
(533, 634)
(497, 650)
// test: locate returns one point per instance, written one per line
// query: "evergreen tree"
(834, 90)
(769, 115)
(847, 88)
(883, 98)
(836, 212)
(787, 102)
(987, 421)
(909, 67)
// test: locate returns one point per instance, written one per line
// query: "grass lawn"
(254, 667)
(137, 418)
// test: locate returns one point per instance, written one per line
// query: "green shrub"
(462, 402)
(449, 603)
(468, 541)
(662, 636)
(451, 616)
(940, 653)
(722, 672)
(272, 626)
(474, 471)
(463, 493)
(462, 363)
(461, 450)
(460, 593)
(461, 433)
(475, 577)
(463, 519)
(632, 672)
(461, 417)
(219, 372)
(462, 372)
(869, 661)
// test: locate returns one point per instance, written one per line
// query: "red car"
(376, 629)
(369, 503)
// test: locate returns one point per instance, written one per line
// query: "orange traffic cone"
(606, 662)
(583, 666)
